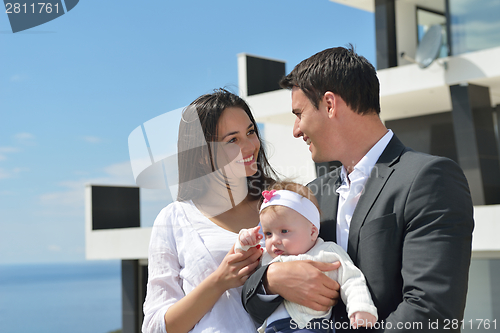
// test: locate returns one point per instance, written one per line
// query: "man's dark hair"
(341, 71)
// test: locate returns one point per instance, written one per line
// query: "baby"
(290, 221)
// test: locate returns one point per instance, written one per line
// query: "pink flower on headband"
(268, 195)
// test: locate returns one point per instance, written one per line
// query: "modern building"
(448, 107)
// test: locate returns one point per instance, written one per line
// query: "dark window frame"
(447, 24)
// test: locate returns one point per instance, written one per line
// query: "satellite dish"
(429, 47)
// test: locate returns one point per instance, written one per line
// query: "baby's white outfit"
(353, 289)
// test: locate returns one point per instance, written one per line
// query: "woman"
(194, 282)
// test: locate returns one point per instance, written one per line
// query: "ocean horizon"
(79, 297)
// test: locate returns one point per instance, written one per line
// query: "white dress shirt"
(353, 186)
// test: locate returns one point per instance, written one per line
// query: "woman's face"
(238, 145)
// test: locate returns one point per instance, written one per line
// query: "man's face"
(312, 125)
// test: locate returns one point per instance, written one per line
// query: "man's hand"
(303, 282)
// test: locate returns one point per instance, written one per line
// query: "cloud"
(92, 139)
(70, 200)
(54, 248)
(4, 174)
(17, 78)
(121, 171)
(7, 193)
(81, 173)
(24, 136)
(7, 150)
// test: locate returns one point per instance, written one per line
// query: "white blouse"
(185, 248)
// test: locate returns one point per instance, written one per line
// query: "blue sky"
(73, 89)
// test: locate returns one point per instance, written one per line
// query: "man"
(405, 218)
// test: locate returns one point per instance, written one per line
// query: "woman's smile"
(247, 160)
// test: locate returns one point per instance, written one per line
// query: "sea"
(82, 297)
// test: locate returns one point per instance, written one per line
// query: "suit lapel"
(373, 188)
(328, 201)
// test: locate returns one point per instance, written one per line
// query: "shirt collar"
(366, 164)
(370, 159)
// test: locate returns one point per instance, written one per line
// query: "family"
(382, 243)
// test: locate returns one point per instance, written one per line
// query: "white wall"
(288, 155)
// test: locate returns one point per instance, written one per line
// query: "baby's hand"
(250, 237)
(362, 319)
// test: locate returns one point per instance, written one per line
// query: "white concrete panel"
(485, 241)
(416, 103)
(474, 66)
(406, 79)
(289, 156)
(265, 107)
(242, 75)
(127, 243)
(408, 91)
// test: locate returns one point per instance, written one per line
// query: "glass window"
(474, 26)
(482, 312)
(426, 19)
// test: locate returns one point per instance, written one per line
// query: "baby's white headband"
(292, 200)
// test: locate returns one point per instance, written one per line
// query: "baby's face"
(287, 232)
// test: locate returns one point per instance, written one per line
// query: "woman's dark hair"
(341, 71)
(194, 146)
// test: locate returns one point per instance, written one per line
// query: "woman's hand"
(235, 268)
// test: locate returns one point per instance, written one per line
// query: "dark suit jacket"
(410, 234)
